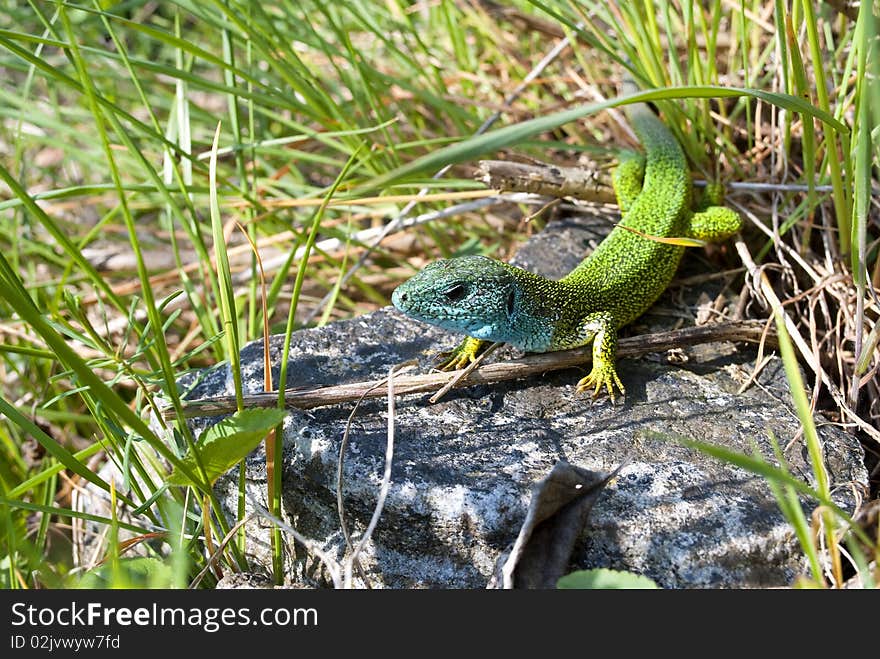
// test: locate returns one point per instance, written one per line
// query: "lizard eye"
(455, 293)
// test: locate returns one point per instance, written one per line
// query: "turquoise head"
(471, 294)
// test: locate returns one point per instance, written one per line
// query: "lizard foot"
(463, 354)
(603, 374)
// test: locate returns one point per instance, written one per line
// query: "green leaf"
(227, 443)
(603, 579)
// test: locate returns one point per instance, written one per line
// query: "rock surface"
(463, 467)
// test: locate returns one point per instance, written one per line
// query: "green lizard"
(493, 301)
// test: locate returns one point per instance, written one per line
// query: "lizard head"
(471, 294)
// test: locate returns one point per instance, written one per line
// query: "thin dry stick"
(533, 364)
(860, 321)
(386, 481)
(588, 184)
(820, 516)
(464, 372)
(366, 201)
(545, 179)
(340, 505)
(217, 552)
(332, 565)
(267, 378)
(760, 362)
(791, 253)
(209, 544)
(267, 364)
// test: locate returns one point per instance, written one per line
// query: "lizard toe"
(461, 356)
(450, 361)
(599, 377)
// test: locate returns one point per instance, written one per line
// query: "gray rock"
(463, 467)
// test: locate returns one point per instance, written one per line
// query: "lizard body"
(490, 300)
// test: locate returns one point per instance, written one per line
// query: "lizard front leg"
(600, 328)
(463, 354)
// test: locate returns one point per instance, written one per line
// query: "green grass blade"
(66, 355)
(52, 447)
(69, 512)
(788, 502)
(842, 202)
(228, 315)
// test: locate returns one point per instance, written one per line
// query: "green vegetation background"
(148, 148)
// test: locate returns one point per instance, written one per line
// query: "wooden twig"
(545, 179)
(333, 566)
(533, 364)
(340, 463)
(467, 370)
(590, 183)
(386, 482)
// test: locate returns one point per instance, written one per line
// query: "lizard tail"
(660, 145)
(627, 87)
